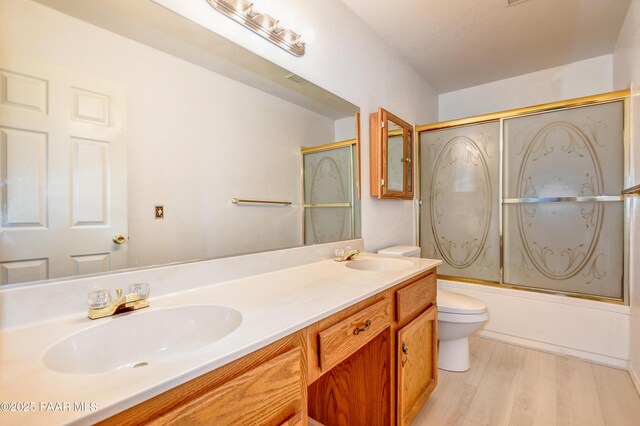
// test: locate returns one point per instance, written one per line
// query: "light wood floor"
(511, 385)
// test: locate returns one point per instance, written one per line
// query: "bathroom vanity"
(341, 342)
(370, 363)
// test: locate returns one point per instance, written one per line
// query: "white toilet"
(459, 316)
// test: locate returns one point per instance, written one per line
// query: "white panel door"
(62, 170)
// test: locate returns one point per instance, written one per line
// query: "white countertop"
(273, 305)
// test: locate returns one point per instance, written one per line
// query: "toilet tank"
(409, 251)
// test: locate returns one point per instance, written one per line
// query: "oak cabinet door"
(417, 363)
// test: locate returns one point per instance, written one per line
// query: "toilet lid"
(410, 251)
(456, 303)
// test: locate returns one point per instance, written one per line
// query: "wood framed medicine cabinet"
(391, 155)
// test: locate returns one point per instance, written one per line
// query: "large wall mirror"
(126, 131)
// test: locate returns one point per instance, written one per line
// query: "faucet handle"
(141, 289)
(99, 299)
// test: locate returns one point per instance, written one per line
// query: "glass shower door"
(529, 201)
(563, 213)
(459, 180)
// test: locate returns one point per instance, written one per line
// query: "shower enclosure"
(530, 198)
(331, 207)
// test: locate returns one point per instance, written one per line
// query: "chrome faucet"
(340, 255)
(100, 304)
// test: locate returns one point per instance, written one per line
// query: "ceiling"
(456, 44)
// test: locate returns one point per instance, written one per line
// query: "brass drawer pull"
(357, 330)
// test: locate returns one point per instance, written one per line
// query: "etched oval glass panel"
(560, 160)
(460, 202)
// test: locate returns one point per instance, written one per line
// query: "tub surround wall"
(595, 331)
(29, 304)
(626, 72)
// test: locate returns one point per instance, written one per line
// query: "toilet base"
(453, 355)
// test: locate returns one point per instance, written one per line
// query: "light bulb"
(286, 21)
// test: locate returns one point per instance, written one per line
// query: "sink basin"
(380, 264)
(141, 338)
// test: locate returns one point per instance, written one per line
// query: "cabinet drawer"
(415, 298)
(339, 341)
(270, 394)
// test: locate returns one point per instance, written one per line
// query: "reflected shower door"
(459, 216)
(329, 194)
(563, 213)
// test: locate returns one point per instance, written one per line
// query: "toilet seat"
(463, 318)
(456, 303)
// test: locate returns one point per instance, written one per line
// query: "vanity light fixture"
(242, 11)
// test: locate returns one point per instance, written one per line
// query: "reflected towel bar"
(278, 203)
(634, 190)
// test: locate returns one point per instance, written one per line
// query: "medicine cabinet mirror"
(391, 156)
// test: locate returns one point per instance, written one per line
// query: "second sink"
(380, 264)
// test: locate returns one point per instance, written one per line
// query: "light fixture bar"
(262, 24)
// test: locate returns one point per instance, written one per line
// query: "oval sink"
(141, 338)
(380, 264)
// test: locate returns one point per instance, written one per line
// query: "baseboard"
(634, 378)
(561, 350)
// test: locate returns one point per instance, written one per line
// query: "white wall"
(345, 129)
(348, 59)
(626, 73)
(187, 127)
(582, 78)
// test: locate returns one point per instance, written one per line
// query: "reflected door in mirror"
(62, 162)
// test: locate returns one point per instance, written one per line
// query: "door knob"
(119, 239)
